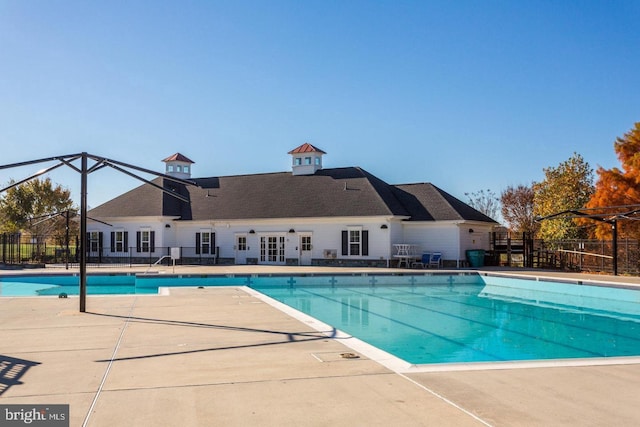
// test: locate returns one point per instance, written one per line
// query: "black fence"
(16, 250)
(581, 255)
(595, 256)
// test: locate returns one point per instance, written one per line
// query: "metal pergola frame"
(607, 214)
(85, 170)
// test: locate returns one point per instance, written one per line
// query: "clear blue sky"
(468, 95)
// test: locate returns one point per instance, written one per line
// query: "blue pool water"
(458, 323)
(56, 285)
(426, 319)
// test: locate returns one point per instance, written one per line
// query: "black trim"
(345, 242)
(365, 242)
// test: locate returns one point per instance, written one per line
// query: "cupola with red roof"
(306, 159)
(179, 166)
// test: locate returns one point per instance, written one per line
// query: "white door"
(272, 249)
(304, 249)
(241, 248)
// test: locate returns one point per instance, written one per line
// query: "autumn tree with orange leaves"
(619, 187)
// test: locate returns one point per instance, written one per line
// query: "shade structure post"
(614, 238)
(83, 234)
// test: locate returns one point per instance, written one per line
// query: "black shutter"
(138, 238)
(197, 243)
(365, 242)
(345, 242)
(152, 244)
(87, 243)
(213, 243)
(126, 241)
(100, 241)
(113, 241)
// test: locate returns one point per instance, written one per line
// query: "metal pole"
(614, 229)
(83, 234)
(66, 257)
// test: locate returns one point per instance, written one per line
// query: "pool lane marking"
(106, 372)
(444, 399)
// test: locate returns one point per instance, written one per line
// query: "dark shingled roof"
(426, 202)
(327, 193)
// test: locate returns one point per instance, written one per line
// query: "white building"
(307, 216)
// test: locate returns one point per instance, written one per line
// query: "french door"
(272, 249)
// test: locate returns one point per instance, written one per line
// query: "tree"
(485, 202)
(619, 187)
(566, 187)
(517, 208)
(27, 207)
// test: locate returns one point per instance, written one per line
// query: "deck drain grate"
(349, 356)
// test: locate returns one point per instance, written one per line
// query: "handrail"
(157, 262)
(583, 253)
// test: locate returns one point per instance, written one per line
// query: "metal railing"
(16, 251)
(584, 255)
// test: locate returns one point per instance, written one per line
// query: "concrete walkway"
(219, 356)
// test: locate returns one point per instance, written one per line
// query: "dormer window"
(297, 161)
(185, 169)
(307, 160)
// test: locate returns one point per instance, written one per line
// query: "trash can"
(475, 257)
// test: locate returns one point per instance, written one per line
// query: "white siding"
(163, 235)
(325, 235)
(433, 237)
(449, 237)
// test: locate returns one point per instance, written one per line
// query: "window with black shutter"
(205, 243)
(119, 241)
(355, 242)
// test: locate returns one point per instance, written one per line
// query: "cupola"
(178, 166)
(306, 159)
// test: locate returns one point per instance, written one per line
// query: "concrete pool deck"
(219, 356)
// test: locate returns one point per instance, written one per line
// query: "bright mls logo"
(34, 415)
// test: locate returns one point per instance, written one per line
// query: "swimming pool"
(485, 321)
(433, 318)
